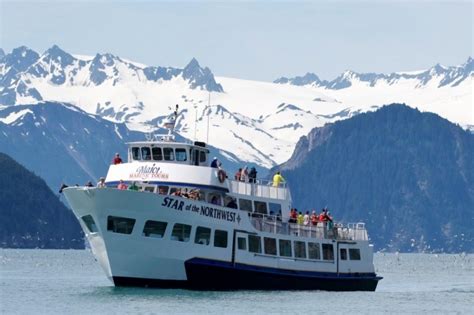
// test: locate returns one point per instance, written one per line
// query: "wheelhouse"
(169, 152)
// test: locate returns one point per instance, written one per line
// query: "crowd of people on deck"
(307, 219)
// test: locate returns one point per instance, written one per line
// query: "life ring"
(221, 175)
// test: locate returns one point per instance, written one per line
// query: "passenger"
(101, 183)
(244, 175)
(89, 184)
(185, 193)
(117, 159)
(322, 215)
(329, 220)
(314, 218)
(232, 204)
(177, 192)
(253, 175)
(306, 218)
(215, 200)
(133, 186)
(215, 163)
(293, 216)
(237, 174)
(300, 219)
(122, 185)
(162, 190)
(278, 179)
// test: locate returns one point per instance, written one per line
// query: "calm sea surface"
(71, 282)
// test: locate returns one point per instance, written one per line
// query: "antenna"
(195, 120)
(208, 114)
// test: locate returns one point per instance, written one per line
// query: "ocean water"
(71, 282)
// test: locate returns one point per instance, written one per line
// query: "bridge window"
(90, 223)
(313, 251)
(146, 155)
(270, 246)
(328, 252)
(242, 243)
(285, 248)
(354, 253)
(300, 249)
(220, 238)
(168, 154)
(136, 153)
(203, 235)
(202, 156)
(230, 202)
(245, 204)
(254, 244)
(154, 229)
(120, 225)
(215, 199)
(343, 253)
(181, 232)
(157, 154)
(181, 155)
(260, 207)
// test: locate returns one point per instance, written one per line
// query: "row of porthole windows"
(181, 232)
(301, 249)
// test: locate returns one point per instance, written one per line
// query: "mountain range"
(408, 175)
(242, 112)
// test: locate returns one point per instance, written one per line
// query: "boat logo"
(147, 172)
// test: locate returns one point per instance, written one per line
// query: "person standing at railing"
(278, 179)
(244, 174)
(314, 218)
(237, 174)
(253, 175)
(306, 218)
(300, 219)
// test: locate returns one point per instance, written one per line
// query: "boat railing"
(323, 230)
(261, 188)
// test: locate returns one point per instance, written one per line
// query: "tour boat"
(219, 234)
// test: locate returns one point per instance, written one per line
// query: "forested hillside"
(409, 175)
(31, 215)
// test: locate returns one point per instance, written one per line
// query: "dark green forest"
(31, 215)
(409, 175)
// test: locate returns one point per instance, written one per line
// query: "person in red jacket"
(314, 218)
(117, 159)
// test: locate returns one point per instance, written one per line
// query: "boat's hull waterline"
(132, 259)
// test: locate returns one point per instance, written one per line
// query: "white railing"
(260, 188)
(273, 224)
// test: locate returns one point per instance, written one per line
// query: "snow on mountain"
(259, 121)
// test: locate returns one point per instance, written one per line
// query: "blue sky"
(259, 40)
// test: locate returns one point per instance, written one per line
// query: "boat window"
(343, 253)
(300, 249)
(202, 156)
(181, 232)
(254, 244)
(120, 225)
(313, 251)
(203, 235)
(136, 153)
(168, 154)
(154, 229)
(157, 154)
(163, 190)
(90, 223)
(245, 204)
(215, 199)
(275, 208)
(181, 154)
(230, 202)
(146, 154)
(328, 252)
(220, 238)
(260, 207)
(270, 246)
(285, 248)
(242, 243)
(148, 188)
(354, 254)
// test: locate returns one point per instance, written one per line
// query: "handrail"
(273, 224)
(261, 188)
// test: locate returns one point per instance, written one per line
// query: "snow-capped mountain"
(258, 121)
